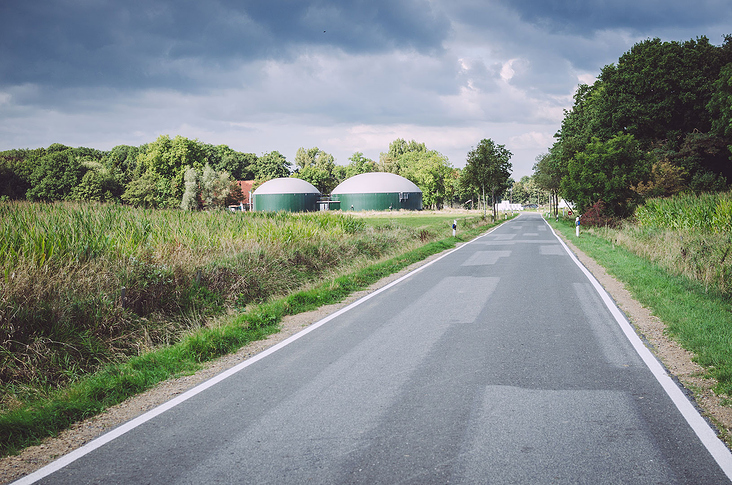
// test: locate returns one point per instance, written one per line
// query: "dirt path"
(677, 360)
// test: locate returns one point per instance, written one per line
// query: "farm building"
(377, 191)
(245, 204)
(286, 194)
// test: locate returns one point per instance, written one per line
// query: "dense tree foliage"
(359, 164)
(241, 166)
(317, 167)
(431, 172)
(720, 105)
(16, 167)
(607, 171)
(655, 123)
(271, 165)
(548, 176)
(55, 176)
(390, 161)
(660, 90)
(151, 175)
(427, 169)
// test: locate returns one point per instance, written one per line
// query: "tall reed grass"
(688, 212)
(688, 235)
(83, 285)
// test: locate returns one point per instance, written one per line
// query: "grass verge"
(114, 383)
(699, 319)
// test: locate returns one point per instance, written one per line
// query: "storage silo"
(286, 194)
(378, 191)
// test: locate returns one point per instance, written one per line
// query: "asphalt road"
(498, 363)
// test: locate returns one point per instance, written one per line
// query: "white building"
(506, 206)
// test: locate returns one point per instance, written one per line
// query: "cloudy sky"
(345, 76)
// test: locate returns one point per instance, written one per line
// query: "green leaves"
(272, 165)
(55, 176)
(431, 172)
(606, 171)
(318, 168)
(675, 99)
(488, 170)
(720, 104)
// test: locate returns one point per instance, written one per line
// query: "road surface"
(497, 363)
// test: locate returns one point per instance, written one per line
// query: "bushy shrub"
(597, 216)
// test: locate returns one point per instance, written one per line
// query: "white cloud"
(530, 140)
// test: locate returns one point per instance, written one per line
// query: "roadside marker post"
(577, 225)
(454, 227)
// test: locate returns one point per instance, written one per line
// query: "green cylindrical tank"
(286, 194)
(378, 191)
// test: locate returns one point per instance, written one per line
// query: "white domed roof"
(288, 185)
(375, 183)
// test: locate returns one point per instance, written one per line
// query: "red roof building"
(246, 189)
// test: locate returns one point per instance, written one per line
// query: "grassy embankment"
(100, 302)
(676, 259)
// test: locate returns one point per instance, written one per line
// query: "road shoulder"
(677, 360)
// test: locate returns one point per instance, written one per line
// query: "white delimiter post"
(577, 224)
(454, 227)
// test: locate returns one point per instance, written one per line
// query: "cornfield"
(694, 213)
(688, 235)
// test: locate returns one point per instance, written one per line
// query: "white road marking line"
(706, 434)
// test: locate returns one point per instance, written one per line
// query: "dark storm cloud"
(588, 16)
(160, 42)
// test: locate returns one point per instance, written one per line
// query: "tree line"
(151, 175)
(180, 172)
(656, 123)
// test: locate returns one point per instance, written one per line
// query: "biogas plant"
(374, 191)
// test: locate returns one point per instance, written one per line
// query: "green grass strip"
(698, 320)
(115, 383)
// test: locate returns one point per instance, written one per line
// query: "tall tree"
(359, 164)
(98, 184)
(222, 158)
(720, 104)
(522, 190)
(122, 162)
(215, 187)
(660, 90)
(143, 191)
(16, 168)
(190, 195)
(389, 161)
(430, 171)
(548, 174)
(705, 159)
(166, 161)
(488, 170)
